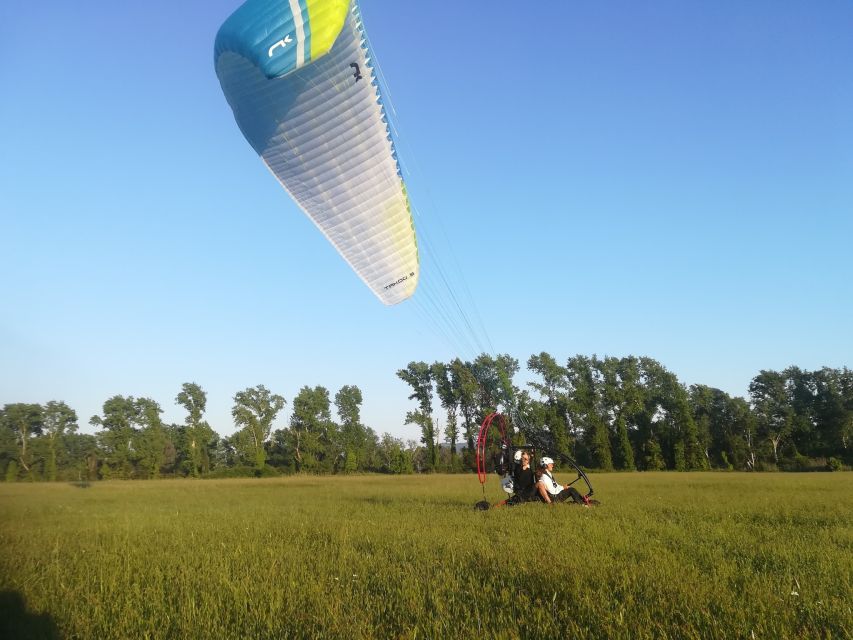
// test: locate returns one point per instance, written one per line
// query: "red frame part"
(482, 440)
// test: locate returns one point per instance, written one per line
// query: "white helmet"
(508, 485)
(546, 461)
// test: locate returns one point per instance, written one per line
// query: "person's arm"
(540, 486)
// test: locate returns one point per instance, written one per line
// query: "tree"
(553, 376)
(254, 410)
(555, 405)
(278, 454)
(632, 401)
(353, 434)
(488, 384)
(8, 451)
(394, 458)
(774, 413)
(585, 405)
(614, 399)
(225, 453)
(465, 388)
(494, 375)
(24, 421)
(652, 455)
(666, 418)
(150, 441)
(120, 415)
(425, 424)
(843, 435)
(495, 389)
(418, 376)
(450, 403)
(198, 433)
(801, 389)
(833, 412)
(370, 460)
(58, 420)
(83, 455)
(313, 437)
(686, 436)
(506, 367)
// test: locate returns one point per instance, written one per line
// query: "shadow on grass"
(383, 500)
(413, 501)
(81, 484)
(16, 622)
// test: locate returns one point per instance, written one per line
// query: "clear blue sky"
(672, 179)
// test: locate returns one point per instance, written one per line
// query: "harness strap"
(553, 482)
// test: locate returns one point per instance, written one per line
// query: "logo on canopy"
(281, 43)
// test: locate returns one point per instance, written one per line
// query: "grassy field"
(672, 555)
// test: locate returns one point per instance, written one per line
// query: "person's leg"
(576, 496)
(570, 494)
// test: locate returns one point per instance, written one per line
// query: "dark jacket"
(524, 481)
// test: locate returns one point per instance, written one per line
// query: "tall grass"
(666, 556)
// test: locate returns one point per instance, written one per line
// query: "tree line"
(632, 413)
(607, 413)
(44, 442)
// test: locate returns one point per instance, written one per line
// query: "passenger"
(550, 491)
(521, 482)
(523, 479)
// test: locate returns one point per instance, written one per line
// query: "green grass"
(705, 555)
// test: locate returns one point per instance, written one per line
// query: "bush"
(799, 462)
(243, 471)
(12, 471)
(802, 463)
(833, 464)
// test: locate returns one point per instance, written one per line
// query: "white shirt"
(551, 485)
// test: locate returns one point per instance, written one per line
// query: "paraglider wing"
(298, 76)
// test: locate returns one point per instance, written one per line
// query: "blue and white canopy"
(298, 76)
